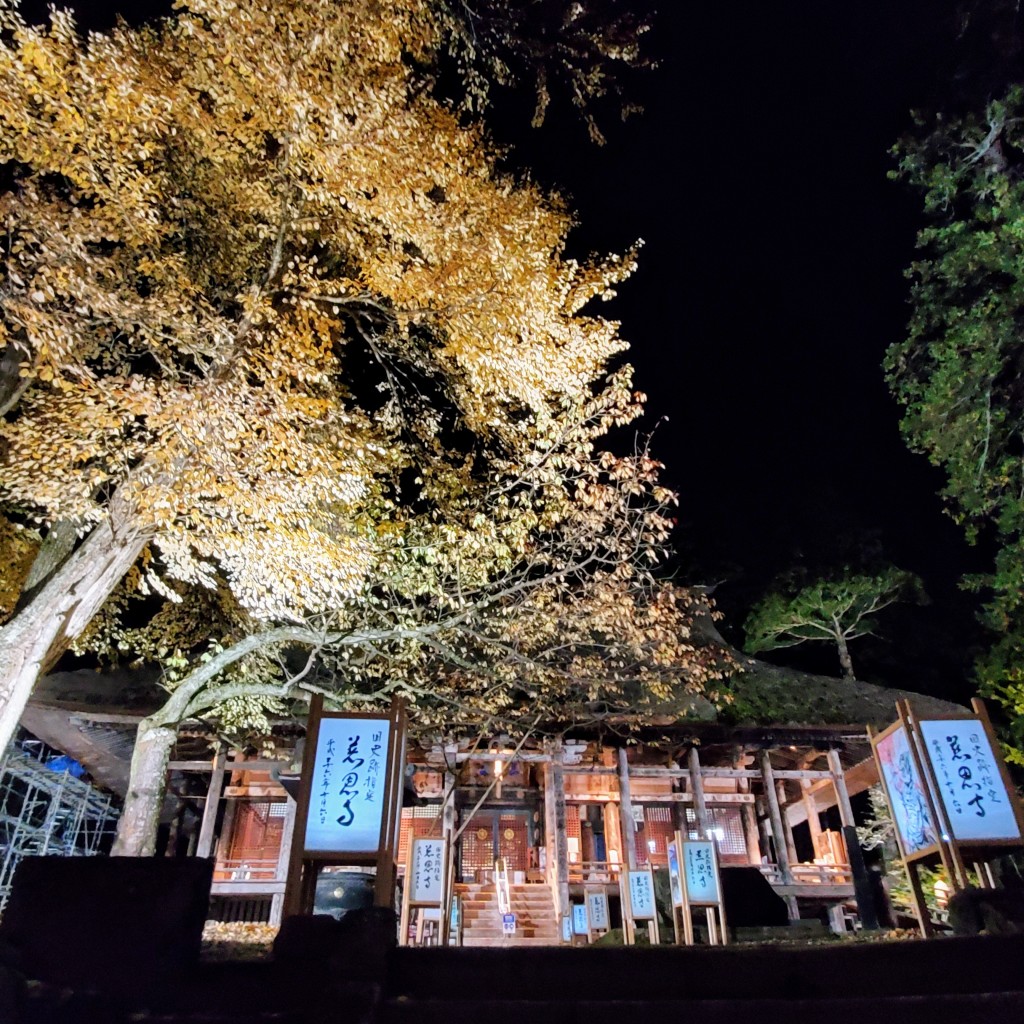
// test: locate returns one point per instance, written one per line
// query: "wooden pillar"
(780, 795)
(813, 820)
(750, 833)
(854, 855)
(835, 766)
(626, 813)
(448, 812)
(700, 806)
(561, 844)
(550, 849)
(205, 845)
(778, 830)
(284, 853)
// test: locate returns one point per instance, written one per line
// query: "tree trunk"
(844, 657)
(37, 635)
(136, 831)
(58, 543)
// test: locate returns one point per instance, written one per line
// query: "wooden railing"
(810, 874)
(595, 871)
(245, 870)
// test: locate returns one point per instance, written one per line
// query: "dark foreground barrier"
(106, 924)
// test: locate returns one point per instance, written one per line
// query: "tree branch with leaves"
(837, 610)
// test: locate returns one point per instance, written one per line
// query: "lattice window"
(256, 834)
(513, 841)
(574, 833)
(476, 846)
(654, 835)
(727, 830)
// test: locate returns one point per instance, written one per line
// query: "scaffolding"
(47, 812)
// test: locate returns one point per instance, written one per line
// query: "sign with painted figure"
(508, 924)
(641, 895)
(674, 880)
(906, 792)
(969, 780)
(426, 871)
(597, 908)
(580, 921)
(700, 871)
(349, 785)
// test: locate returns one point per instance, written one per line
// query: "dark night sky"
(770, 286)
(769, 289)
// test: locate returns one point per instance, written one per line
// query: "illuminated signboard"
(699, 872)
(348, 790)
(674, 880)
(970, 785)
(427, 871)
(597, 907)
(906, 792)
(641, 895)
(580, 924)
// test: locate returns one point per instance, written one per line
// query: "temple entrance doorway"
(494, 833)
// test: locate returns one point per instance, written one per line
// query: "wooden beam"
(247, 888)
(649, 772)
(231, 766)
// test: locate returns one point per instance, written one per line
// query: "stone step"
(498, 942)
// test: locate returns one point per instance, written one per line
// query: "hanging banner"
(674, 880)
(906, 789)
(641, 895)
(597, 908)
(973, 794)
(349, 785)
(426, 871)
(700, 872)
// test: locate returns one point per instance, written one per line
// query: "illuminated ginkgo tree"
(275, 331)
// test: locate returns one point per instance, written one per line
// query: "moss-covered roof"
(765, 694)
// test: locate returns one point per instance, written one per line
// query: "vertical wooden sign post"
(638, 904)
(696, 883)
(950, 796)
(426, 888)
(350, 800)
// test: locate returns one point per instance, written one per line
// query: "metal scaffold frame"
(46, 812)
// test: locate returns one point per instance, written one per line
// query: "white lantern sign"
(348, 791)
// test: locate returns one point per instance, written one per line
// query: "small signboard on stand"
(349, 804)
(580, 921)
(950, 795)
(423, 898)
(638, 905)
(696, 883)
(597, 911)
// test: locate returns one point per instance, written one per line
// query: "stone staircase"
(533, 905)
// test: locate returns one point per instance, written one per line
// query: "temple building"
(563, 817)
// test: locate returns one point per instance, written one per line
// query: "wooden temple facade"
(566, 817)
